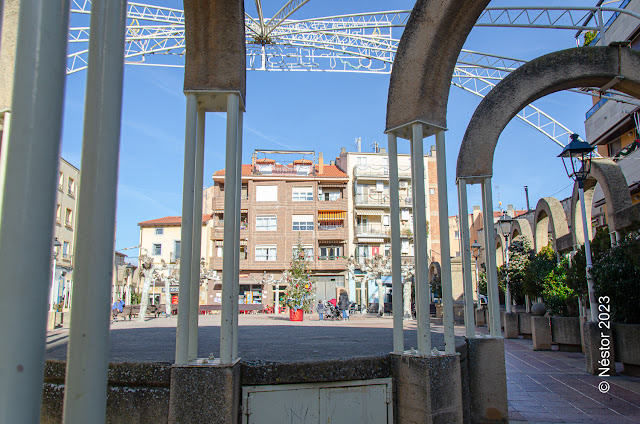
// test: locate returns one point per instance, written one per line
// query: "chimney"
(510, 210)
(359, 144)
(333, 163)
(253, 160)
(383, 150)
(320, 163)
(343, 150)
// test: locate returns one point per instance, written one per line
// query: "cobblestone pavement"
(543, 387)
(553, 387)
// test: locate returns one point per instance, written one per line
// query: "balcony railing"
(331, 258)
(372, 199)
(371, 229)
(324, 227)
(595, 107)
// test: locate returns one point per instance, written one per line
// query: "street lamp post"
(578, 154)
(476, 248)
(54, 290)
(504, 226)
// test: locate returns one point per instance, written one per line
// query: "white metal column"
(490, 258)
(236, 248)
(463, 211)
(85, 395)
(420, 242)
(445, 249)
(186, 230)
(396, 246)
(29, 184)
(196, 249)
(228, 258)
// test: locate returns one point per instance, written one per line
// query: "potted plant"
(300, 291)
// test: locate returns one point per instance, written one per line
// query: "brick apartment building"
(281, 204)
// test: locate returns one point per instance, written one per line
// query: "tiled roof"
(267, 161)
(246, 170)
(331, 171)
(302, 162)
(168, 221)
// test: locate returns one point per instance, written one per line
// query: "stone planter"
(565, 332)
(524, 324)
(626, 340)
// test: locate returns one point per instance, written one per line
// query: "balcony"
(372, 230)
(372, 199)
(329, 263)
(381, 172)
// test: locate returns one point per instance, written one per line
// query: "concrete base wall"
(487, 381)
(136, 393)
(565, 332)
(627, 347)
(480, 317)
(205, 394)
(524, 324)
(541, 333)
(427, 389)
(510, 325)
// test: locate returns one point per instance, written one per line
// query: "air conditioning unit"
(404, 184)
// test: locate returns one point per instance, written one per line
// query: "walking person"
(343, 304)
(320, 309)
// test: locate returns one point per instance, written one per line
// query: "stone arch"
(434, 269)
(620, 213)
(550, 213)
(499, 251)
(565, 69)
(521, 227)
(425, 60)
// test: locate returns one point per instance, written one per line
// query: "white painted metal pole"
(186, 231)
(236, 248)
(4, 146)
(465, 252)
(593, 306)
(445, 246)
(28, 205)
(228, 259)
(396, 245)
(416, 287)
(420, 237)
(52, 289)
(85, 395)
(507, 300)
(490, 258)
(196, 249)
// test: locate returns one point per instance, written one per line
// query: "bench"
(131, 310)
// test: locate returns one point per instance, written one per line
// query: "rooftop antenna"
(359, 144)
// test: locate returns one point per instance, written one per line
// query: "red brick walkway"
(553, 387)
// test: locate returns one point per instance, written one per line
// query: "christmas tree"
(300, 292)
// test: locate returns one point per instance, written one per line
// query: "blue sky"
(321, 112)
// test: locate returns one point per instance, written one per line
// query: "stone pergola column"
(490, 258)
(28, 172)
(396, 246)
(469, 314)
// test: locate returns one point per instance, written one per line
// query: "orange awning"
(331, 215)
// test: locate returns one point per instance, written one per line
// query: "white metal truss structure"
(362, 43)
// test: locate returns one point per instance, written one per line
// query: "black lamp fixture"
(476, 248)
(578, 153)
(504, 225)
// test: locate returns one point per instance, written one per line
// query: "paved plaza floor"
(542, 387)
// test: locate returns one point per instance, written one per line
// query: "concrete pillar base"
(487, 380)
(583, 320)
(541, 332)
(205, 393)
(480, 317)
(594, 339)
(510, 325)
(427, 389)
(53, 320)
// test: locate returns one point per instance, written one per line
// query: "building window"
(302, 194)
(266, 223)
(457, 254)
(219, 251)
(328, 195)
(432, 191)
(266, 193)
(456, 235)
(68, 217)
(387, 250)
(306, 249)
(302, 222)
(61, 181)
(330, 252)
(361, 161)
(176, 249)
(243, 252)
(157, 249)
(385, 220)
(159, 231)
(65, 250)
(58, 213)
(71, 189)
(266, 253)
